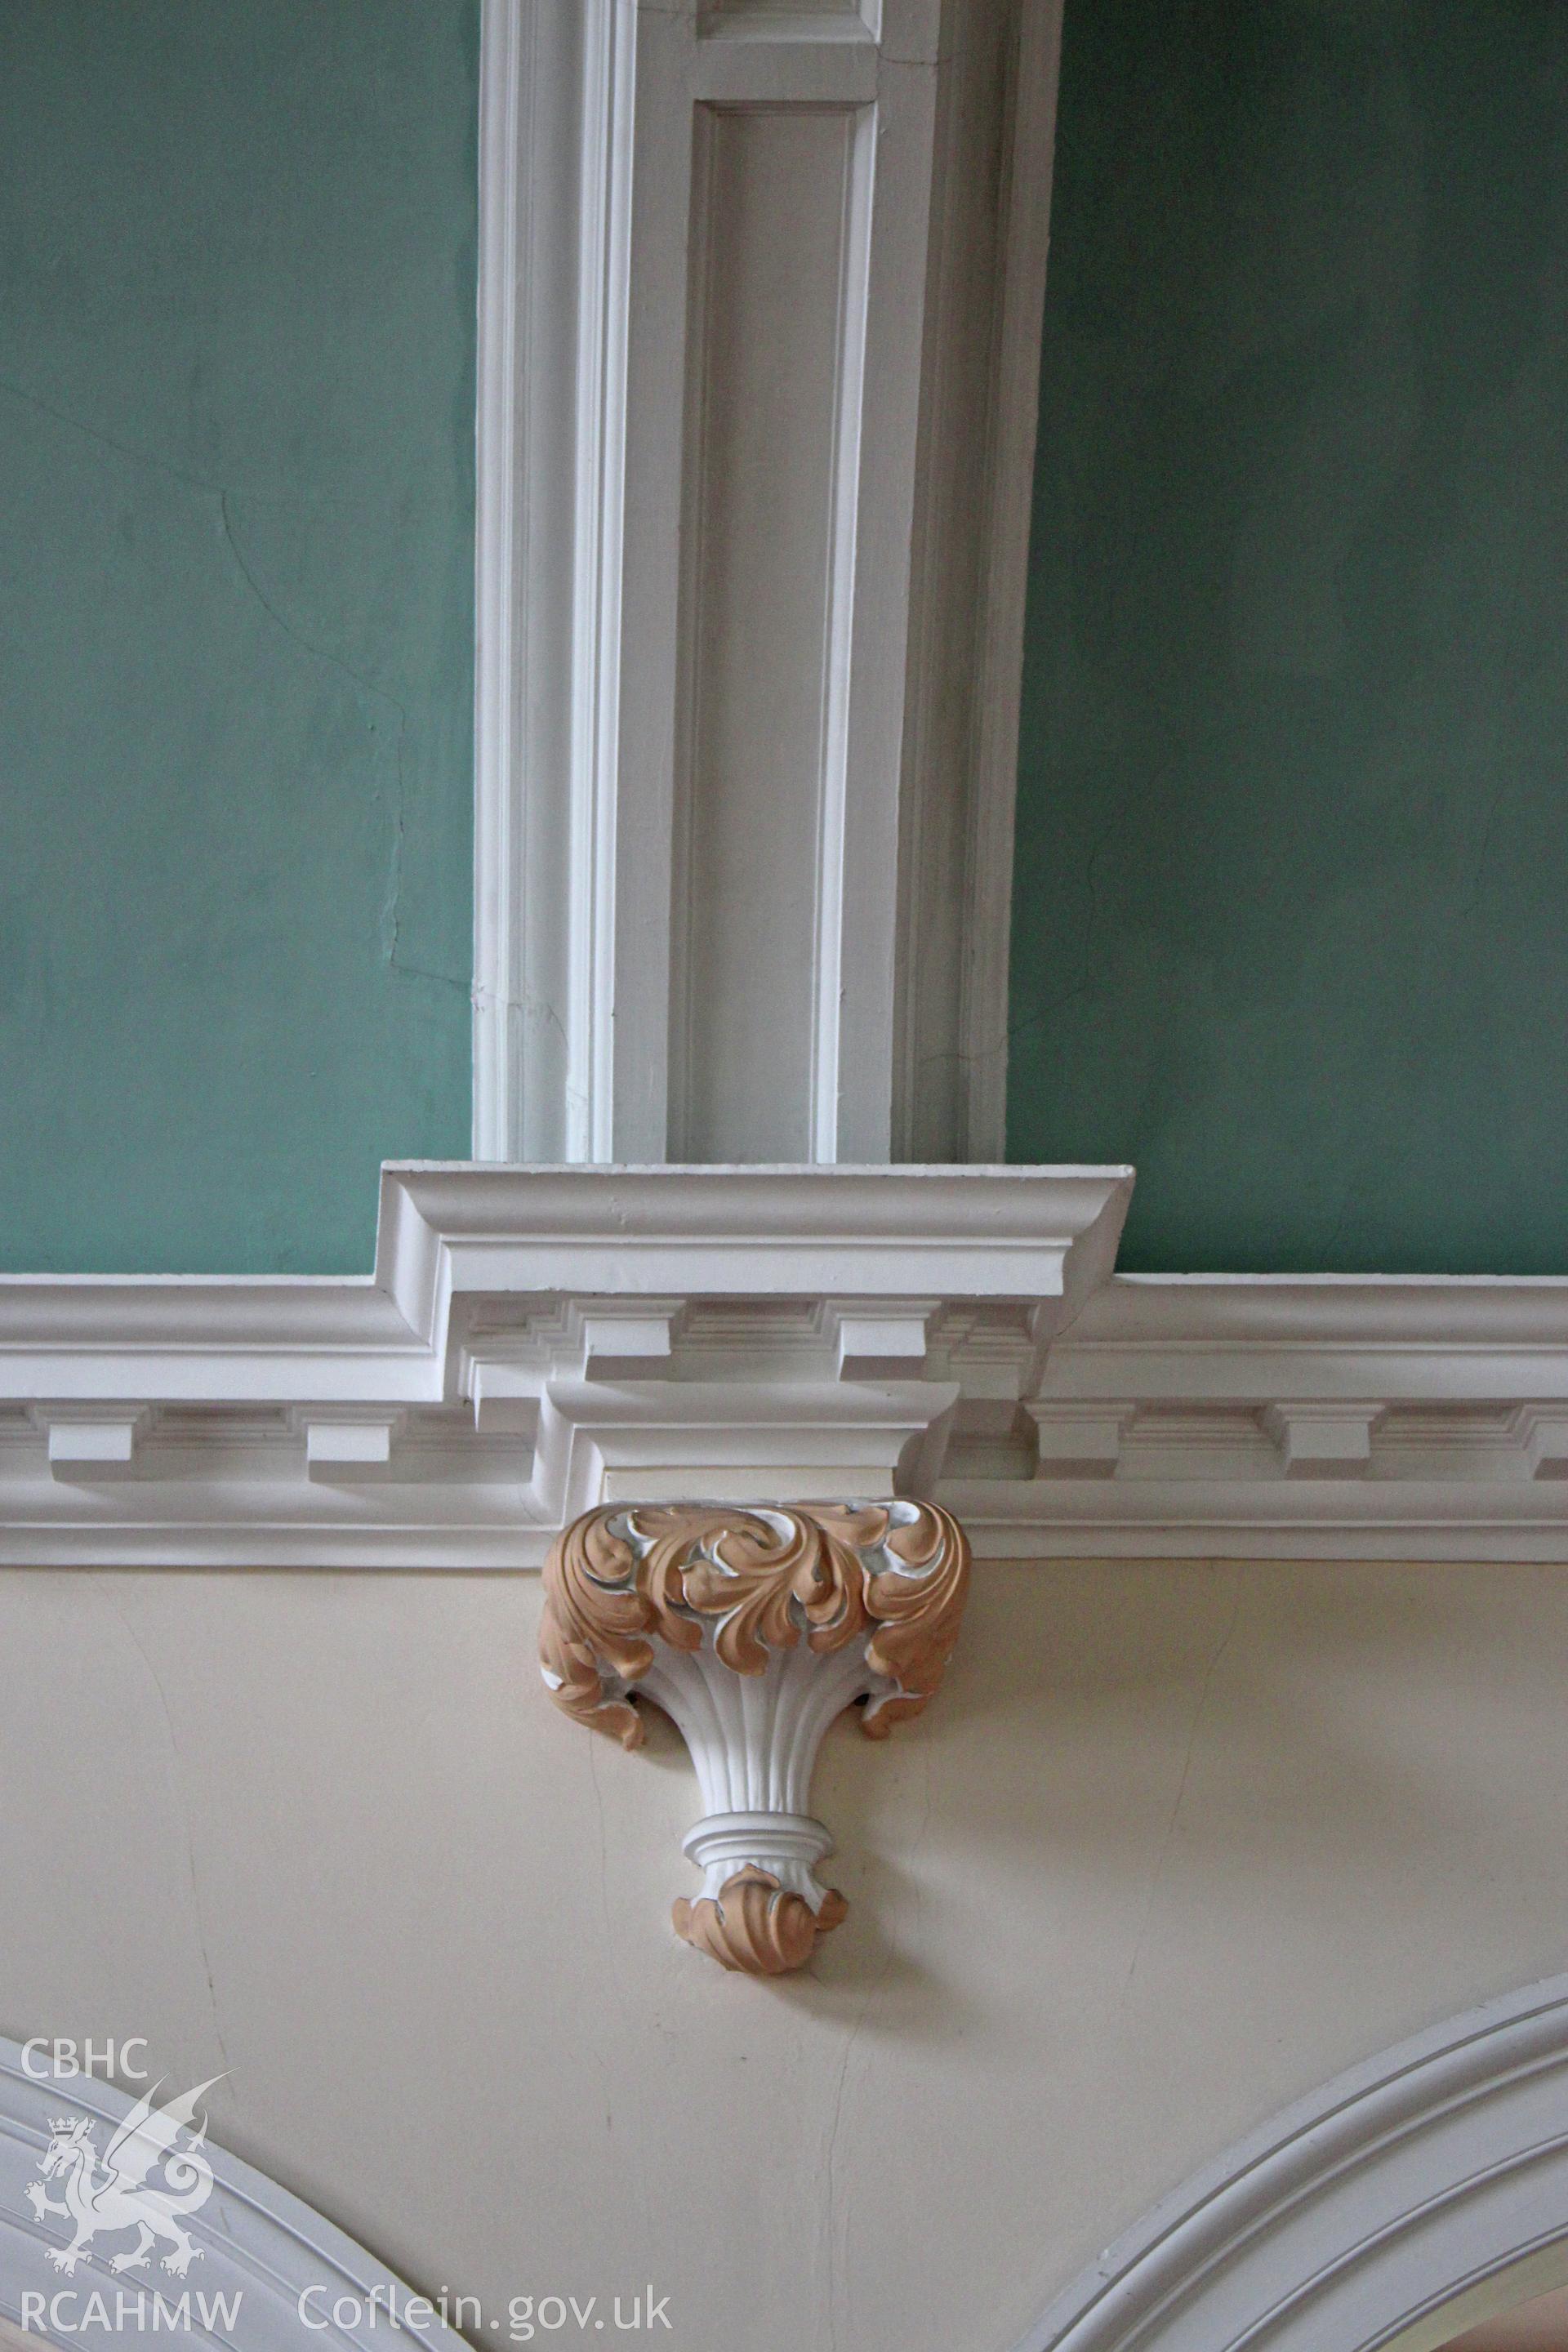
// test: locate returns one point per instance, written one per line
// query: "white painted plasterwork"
(1317, 1417)
(256, 2246)
(753, 1630)
(759, 313)
(555, 102)
(1411, 2198)
(536, 1340)
(971, 575)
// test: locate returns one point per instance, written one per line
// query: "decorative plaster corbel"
(753, 1628)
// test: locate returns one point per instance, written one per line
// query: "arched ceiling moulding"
(276, 2272)
(1411, 2198)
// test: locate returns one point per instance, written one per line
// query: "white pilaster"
(757, 359)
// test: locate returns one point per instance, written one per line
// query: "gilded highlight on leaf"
(625, 1576)
(752, 1628)
(754, 1926)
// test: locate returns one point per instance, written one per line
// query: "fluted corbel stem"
(752, 1628)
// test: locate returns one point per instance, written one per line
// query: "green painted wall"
(1290, 929)
(236, 348)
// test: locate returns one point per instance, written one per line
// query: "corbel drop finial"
(753, 1628)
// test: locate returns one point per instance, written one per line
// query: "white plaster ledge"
(535, 1340)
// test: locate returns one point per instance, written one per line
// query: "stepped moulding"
(536, 1341)
(753, 1628)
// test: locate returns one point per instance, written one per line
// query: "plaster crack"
(604, 1857)
(196, 1909)
(1478, 879)
(1157, 1874)
(317, 652)
(1091, 962)
(391, 910)
(105, 440)
(390, 917)
(435, 979)
(832, 2210)
(613, 1964)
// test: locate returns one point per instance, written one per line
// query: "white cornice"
(533, 1337)
(1411, 1417)
(1259, 1336)
(458, 1230)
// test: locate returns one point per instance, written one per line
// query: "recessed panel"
(759, 12)
(771, 203)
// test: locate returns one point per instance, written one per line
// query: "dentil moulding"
(752, 1628)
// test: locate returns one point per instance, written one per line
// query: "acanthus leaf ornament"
(752, 1628)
